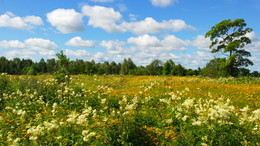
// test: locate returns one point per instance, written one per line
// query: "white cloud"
(201, 42)
(114, 47)
(149, 25)
(111, 21)
(103, 17)
(100, 57)
(35, 20)
(145, 48)
(11, 44)
(37, 44)
(20, 53)
(102, 1)
(194, 60)
(144, 41)
(255, 43)
(10, 20)
(163, 3)
(256, 60)
(77, 53)
(40, 44)
(152, 43)
(79, 42)
(66, 20)
(47, 53)
(171, 42)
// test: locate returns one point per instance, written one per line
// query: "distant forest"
(19, 66)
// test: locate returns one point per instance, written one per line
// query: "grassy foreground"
(129, 110)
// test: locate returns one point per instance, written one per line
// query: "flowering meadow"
(129, 110)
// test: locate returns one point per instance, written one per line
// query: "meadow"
(129, 110)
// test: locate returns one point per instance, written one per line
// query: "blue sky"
(111, 30)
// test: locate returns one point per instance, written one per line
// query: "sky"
(111, 30)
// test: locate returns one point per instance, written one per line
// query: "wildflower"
(88, 111)
(184, 118)
(188, 103)
(198, 123)
(204, 144)
(103, 101)
(50, 126)
(36, 130)
(129, 107)
(87, 137)
(16, 142)
(72, 117)
(204, 138)
(85, 132)
(55, 105)
(169, 121)
(256, 114)
(81, 119)
(33, 138)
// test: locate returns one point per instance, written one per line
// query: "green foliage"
(178, 70)
(167, 67)
(229, 37)
(127, 66)
(63, 61)
(62, 75)
(215, 68)
(155, 67)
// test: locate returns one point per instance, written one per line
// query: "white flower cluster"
(51, 126)
(87, 135)
(35, 131)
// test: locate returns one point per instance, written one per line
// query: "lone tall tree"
(229, 37)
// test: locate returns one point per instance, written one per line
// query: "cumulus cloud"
(11, 44)
(144, 41)
(112, 22)
(167, 44)
(103, 17)
(10, 20)
(201, 42)
(77, 53)
(255, 43)
(145, 48)
(149, 25)
(171, 42)
(114, 46)
(101, 57)
(47, 53)
(20, 53)
(66, 20)
(38, 44)
(79, 42)
(163, 3)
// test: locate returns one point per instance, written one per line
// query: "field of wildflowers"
(129, 110)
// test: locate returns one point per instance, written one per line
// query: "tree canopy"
(229, 38)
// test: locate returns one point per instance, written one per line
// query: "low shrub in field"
(55, 113)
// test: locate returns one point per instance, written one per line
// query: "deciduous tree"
(229, 37)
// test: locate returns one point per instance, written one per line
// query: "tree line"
(19, 66)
